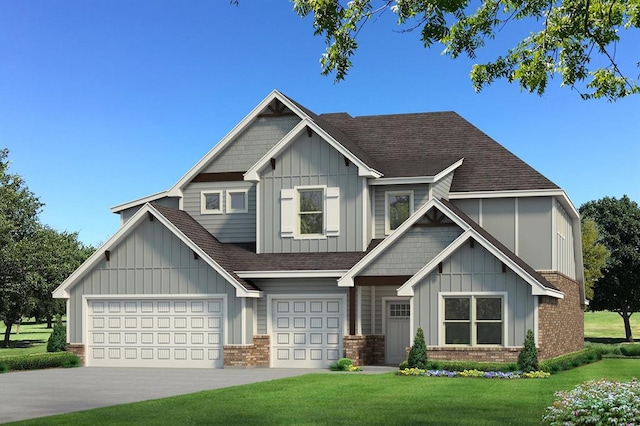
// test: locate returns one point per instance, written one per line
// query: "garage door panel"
(306, 333)
(155, 333)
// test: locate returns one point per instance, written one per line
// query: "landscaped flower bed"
(473, 373)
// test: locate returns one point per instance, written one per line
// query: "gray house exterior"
(302, 238)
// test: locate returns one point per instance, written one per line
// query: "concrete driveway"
(32, 394)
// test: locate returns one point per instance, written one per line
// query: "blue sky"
(103, 102)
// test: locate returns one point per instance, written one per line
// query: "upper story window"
(473, 320)
(211, 202)
(398, 207)
(311, 211)
(237, 201)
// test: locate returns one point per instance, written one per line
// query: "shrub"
(596, 402)
(40, 361)
(418, 352)
(58, 339)
(343, 364)
(630, 350)
(3, 367)
(471, 365)
(569, 361)
(403, 365)
(528, 356)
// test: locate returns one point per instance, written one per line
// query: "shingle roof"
(203, 239)
(504, 249)
(435, 141)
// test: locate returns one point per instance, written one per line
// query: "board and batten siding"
(565, 255)
(524, 225)
(151, 260)
(420, 197)
(473, 270)
(227, 227)
(248, 147)
(289, 286)
(310, 161)
(413, 250)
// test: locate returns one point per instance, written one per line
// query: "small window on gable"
(398, 208)
(237, 201)
(211, 202)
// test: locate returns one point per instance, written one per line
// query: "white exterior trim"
(203, 202)
(292, 274)
(258, 219)
(359, 311)
(417, 180)
(139, 201)
(229, 209)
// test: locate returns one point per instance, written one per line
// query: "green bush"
(40, 361)
(342, 364)
(528, 356)
(58, 339)
(603, 348)
(471, 365)
(569, 361)
(418, 352)
(630, 350)
(3, 367)
(403, 365)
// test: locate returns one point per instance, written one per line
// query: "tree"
(418, 352)
(594, 255)
(19, 210)
(528, 356)
(618, 290)
(575, 39)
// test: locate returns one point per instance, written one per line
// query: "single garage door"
(155, 333)
(306, 333)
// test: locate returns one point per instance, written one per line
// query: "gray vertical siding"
(252, 144)
(499, 218)
(535, 231)
(565, 257)
(471, 207)
(309, 286)
(413, 250)
(365, 309)
(152, 261)
(441, 187)
(311, 161)
(474, 270)
(381, 293)
(227, 227)
(420, 197)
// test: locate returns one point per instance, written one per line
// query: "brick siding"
(78, 350)
(364, 350)
(561, 321)
(473, 354)
(256, 354)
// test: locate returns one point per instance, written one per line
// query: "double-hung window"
(311, 211)
(398, 207)
(473, 320)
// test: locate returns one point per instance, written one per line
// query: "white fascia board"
(416, 180)
(176, 189)
(139, 201)
(62, 291)
(253, 174)
(292, 274)
(448, 170)
(347, 279)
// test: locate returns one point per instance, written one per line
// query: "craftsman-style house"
(302, 238)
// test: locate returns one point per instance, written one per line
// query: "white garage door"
(155, 333)
(306, 333)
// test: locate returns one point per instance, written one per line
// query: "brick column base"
(364, 350)
(473, 354)
(254, 355)
(77, 349)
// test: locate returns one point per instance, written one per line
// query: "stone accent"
(473, 354)
(364, 350)
(256, 354)
(561, 321)
(78, 349)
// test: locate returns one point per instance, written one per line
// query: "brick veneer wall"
(364, 350)
(78, 349)
(561, 321)
(473, 354)
(253, 355)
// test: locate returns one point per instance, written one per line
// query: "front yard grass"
(355, 398)
(31, 340)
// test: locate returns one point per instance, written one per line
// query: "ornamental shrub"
(630, 350)
(58, 339)
(418, 352)
(40, 361)
(569, 361)
(471, 365)
(343, 364)
(596, 403)
(528, 356)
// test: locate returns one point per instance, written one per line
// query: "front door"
(398, 315)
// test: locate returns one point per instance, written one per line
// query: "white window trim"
(229, 209)
(298, 235)
(473, 295)
(387, 227)
(203, 202)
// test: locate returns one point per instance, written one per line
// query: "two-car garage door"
(155, 332)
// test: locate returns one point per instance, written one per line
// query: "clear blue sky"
(103, 102)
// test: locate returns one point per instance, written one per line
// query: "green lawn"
(31, 340)
(607, 327)
(354, 398)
